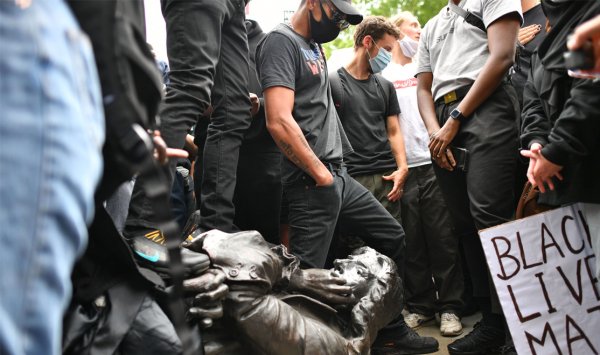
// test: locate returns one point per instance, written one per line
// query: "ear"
(366, 42)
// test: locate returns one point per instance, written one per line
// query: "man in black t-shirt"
(368, 109)
(302, 119)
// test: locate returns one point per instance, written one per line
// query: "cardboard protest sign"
(543, 268)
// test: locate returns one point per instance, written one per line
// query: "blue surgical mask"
(408, 46)
(381, 60)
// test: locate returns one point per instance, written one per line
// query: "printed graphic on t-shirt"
(314, 60)
(407, 83)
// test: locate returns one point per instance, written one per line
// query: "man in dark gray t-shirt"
(303, 121)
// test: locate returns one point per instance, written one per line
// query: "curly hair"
(376, 27)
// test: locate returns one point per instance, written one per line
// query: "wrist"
(296, 279)
(456, 115)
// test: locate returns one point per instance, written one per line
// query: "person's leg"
(490, 135)
(442, 248)
(362, 215)
(419, 288)
(230, 120)
(312, 215)
(51, 135)
(195, 41)
(258, 193)
(442, 243)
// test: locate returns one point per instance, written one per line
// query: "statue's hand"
(208, 291)
(323, 285)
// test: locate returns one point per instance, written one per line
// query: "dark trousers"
(258, 193)
(315, 211)
(483, 196)
(208, 55)
(431, 247)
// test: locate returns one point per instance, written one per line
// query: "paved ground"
(432, 329)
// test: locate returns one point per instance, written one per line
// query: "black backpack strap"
(337, 90)
(469, 17)
(385, 90)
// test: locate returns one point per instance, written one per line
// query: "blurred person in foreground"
(51, 136)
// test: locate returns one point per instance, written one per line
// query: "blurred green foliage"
(423, 9)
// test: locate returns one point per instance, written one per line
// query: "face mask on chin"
(325, 30)
(408, 46)
(381, 60)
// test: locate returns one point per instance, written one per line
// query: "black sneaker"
(482, 340)
(508, 348)
(408, 343)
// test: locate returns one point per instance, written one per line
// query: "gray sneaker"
(416, 320)
(450, 325)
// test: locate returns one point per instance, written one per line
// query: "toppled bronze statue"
(274, 307)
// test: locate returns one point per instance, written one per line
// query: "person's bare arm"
(425, 101)
(396, 140)
(502, 39)
(279, 103)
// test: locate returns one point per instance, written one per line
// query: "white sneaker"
(415, 320)
(450, 325)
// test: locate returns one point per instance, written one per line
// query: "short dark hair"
(376, 27)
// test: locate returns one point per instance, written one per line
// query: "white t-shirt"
(455, 51)
(414, 132)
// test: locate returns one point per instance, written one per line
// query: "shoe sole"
(389, 351)
(452, 334)
(487, 351)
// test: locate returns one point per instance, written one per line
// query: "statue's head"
(363, 269)
(378, 291)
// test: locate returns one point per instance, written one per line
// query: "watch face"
(455, 113)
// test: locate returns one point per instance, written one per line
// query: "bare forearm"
(427, 110)
(397, 144)
(291, 141)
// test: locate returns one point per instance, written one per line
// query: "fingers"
(210, 280)
(176, 153)
(443, 162)
(213, 312)
(211, 296)
(526, 34)
(450, 158)
(583, 33)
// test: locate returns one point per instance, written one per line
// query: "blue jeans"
(51, 135)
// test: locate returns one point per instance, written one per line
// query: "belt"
(453, 96)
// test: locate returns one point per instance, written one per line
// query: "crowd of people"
(424, 137)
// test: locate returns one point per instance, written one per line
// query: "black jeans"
(258, 192)
(315, 211)
(483, 197)
(208, 55)
(431, 247)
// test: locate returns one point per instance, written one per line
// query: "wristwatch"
(457, 115)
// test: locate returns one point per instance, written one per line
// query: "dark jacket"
(563, 115)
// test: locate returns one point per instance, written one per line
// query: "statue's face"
(356, 273)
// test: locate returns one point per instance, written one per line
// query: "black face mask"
(325, 30)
